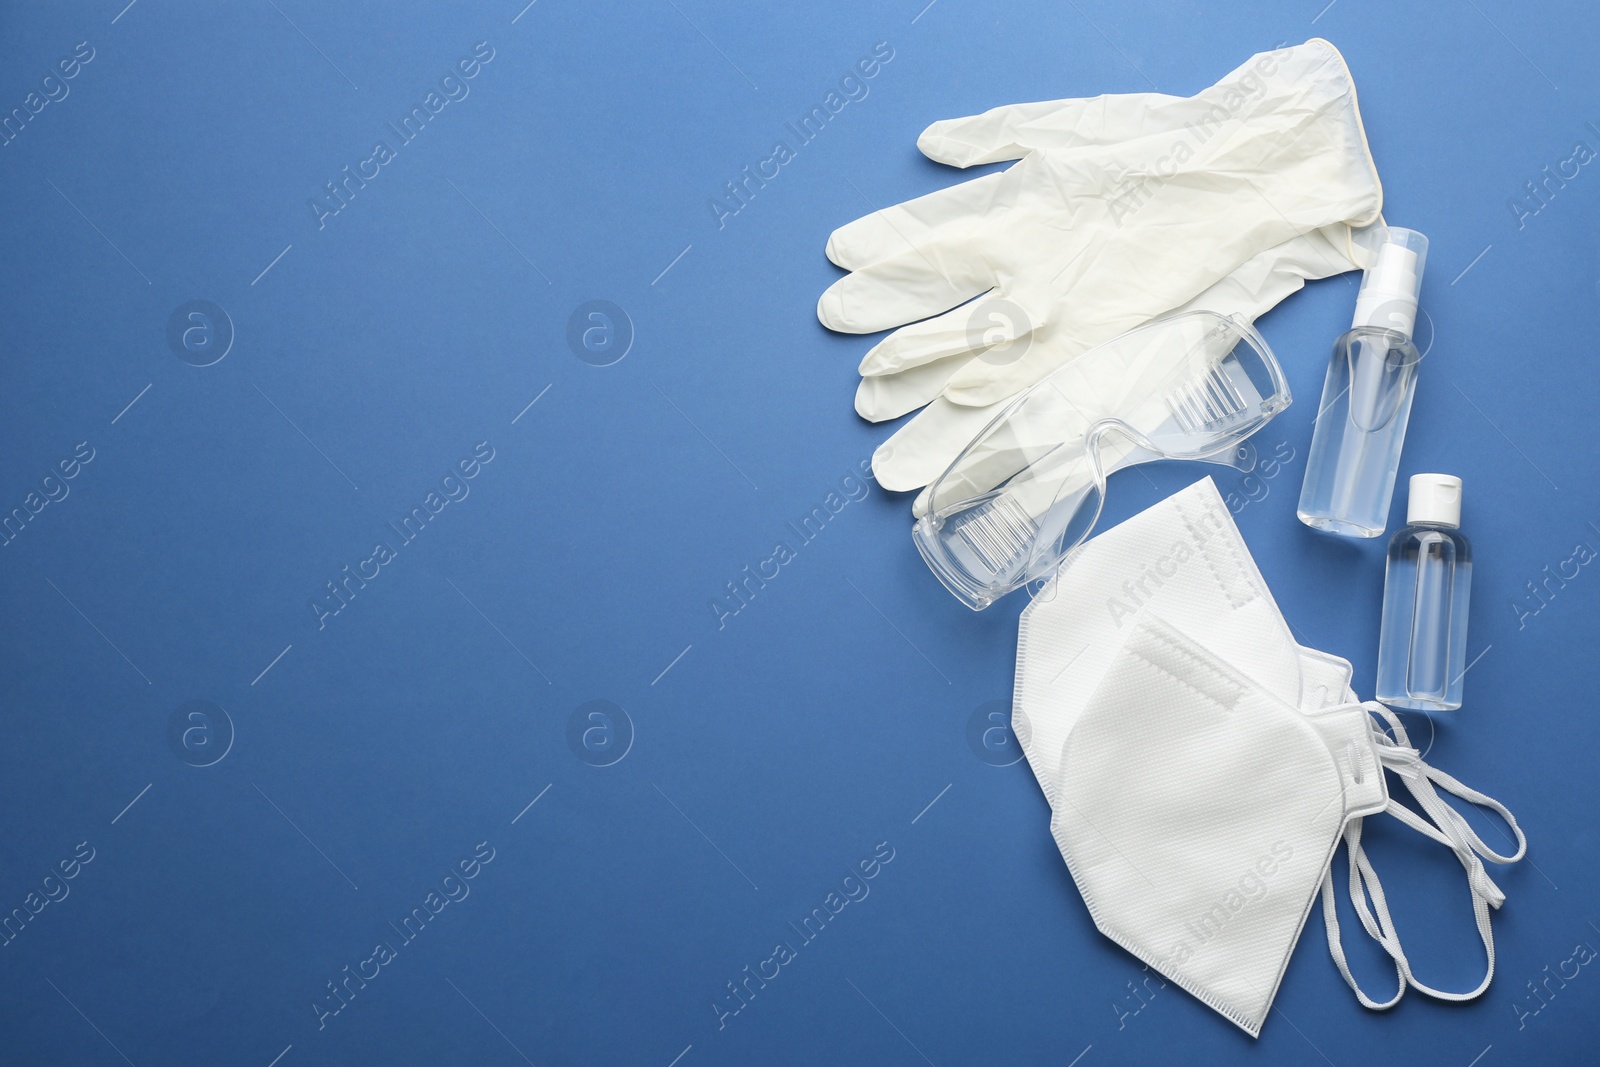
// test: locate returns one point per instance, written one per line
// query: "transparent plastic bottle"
(1367, 395)
(1427, 583)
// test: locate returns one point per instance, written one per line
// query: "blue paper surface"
(378, 515)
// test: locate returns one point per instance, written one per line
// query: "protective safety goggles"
(1029, 489)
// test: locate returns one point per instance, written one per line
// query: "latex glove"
(1124, 208)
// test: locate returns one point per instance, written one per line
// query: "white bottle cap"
(1434, 499)
(1392, 281)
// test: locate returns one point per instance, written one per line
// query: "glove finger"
(889, 396)
(925, 446)
(1097, 123)
(893, 230)
(906, 287)
(994, 325)
(982, 383)
(1013, 131)
(1000, 134)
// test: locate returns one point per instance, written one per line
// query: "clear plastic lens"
(1030, 488)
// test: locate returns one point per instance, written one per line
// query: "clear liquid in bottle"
(1360, 429)
(1366, 397)
(1427, 584)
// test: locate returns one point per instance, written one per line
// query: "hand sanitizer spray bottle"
(1423, 644)
(1366, 399)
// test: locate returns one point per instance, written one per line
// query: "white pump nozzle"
(1391, 285)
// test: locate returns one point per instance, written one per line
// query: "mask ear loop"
(1448, 828)
(1364, 883)
(1360, 868)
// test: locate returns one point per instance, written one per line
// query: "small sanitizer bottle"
(1366, 398)
(1422, 646)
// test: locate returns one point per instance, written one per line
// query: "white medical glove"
(1125, 207)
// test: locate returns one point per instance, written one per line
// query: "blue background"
(763, 758)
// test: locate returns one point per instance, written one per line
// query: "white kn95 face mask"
(1199, 812)
(1202, 767)
(1182, 559)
